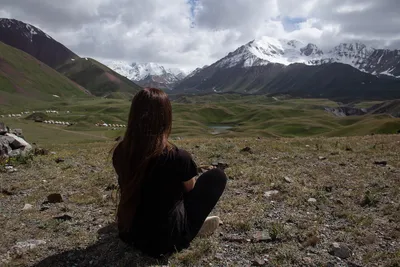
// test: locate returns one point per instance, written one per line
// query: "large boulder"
(3, 128)
(13, 146)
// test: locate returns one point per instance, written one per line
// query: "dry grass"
(358, 203)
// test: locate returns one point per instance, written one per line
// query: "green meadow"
(199, 116)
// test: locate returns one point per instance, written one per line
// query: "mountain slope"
(268, 50)
(98, 79)
(148, 74)
(288, 67)
(88, 73)
(24, 79)
(35, 42)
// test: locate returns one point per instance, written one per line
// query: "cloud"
(192, 33)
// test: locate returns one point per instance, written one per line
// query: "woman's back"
(160, 207)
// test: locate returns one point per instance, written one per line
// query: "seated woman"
(162, 206)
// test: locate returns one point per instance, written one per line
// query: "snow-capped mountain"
(35, 42)
(270, 66)
(148, 74)
(268, 50)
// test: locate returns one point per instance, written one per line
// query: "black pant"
(202, 199)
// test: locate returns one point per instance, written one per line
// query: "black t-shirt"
(160, 219)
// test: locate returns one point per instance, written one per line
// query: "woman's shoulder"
(178, 153)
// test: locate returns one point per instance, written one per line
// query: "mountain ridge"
(148, 74)
(94, 76)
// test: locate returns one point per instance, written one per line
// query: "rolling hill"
(98, 79)
(88, 73)
(25, 80)
(35, 42)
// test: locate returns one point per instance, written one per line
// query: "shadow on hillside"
(107, 251)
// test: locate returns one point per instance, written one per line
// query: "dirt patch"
(112, 77)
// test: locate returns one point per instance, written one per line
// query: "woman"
(162, 206)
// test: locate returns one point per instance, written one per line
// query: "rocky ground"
(288, 202)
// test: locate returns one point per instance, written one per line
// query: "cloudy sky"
(192, 33)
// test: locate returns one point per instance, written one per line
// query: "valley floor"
(344, 190)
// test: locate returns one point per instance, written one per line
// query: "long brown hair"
(149, 125)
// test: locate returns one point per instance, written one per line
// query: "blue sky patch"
(291, 24)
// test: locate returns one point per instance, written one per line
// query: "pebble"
(262, 237)
(258, 262)
(288, 180)
(340, 250)
(321, 158)
(271, 193)
(27, 207)
(312, 200)
(54, 198)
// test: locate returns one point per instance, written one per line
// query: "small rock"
(258, 262)
(340, 250)
(247, 149)
(321, 158)
(288, 180)
(111, 187)
(59, 160)
(234, 238)
(29, 244)
(328, 188)
(307, 260)
(53, 153)
(262, 236)
(271, 193)
(7, 192)
(27, 207)
(64, 217)
(220, 165)
(312, 200)
(381, 163)
(54, 198)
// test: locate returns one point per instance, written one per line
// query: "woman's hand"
(189, 185)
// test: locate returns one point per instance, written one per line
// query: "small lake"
(217, 129)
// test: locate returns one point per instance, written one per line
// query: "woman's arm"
(189, 185)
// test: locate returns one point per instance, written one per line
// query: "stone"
(258, 262)
(340, 250)
(312, 200)
(271, 193)
(19, 143)
(54, 198)
(220, 165)
(59, 160)
(321, 158)
(17, 132)
(3, 128)
(27, 207)
(29, 244)
(381, 163)
(247, 149)
(262, 236)
(288, 180)
(64, 217)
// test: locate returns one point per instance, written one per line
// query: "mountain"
(268, 50)
(24, 80)
(98, 79)
(274, 66)
(34, 41)
(149, 74)
(88, 73)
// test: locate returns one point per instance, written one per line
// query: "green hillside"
(98, 79)
(26, 81)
